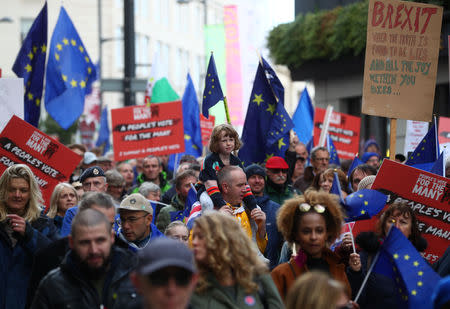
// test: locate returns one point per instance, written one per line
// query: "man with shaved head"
(94, 274)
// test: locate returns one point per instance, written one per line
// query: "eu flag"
(213, 92)
(334, 158)
(364, 204)
(70, 72)
(303, 118)
(427, 151)
(267, 124)
(413, 277)
(30, 65)
(191, 124)
(336, 188)
(438, 167)
(103, 132)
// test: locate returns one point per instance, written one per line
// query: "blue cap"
(93, 171)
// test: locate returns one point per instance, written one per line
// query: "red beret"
(277, 162)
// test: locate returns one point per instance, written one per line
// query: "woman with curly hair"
(23, 231)
(231, 273)
(312, 222)
(64, 196)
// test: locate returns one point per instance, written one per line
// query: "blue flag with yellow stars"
(70, 72)
(334, 158)
(103, 132)
(267, 124)
(336, 187)
(191, 124)
(30, 65)
(364, 204)
(213, 91)
(427, 151)
(413, 277)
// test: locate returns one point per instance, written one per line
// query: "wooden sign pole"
(393, 140)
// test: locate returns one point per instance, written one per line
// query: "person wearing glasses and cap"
(277, 185)
(311, 222)
(136, 227)
(166, 275)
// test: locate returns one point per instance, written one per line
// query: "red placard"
(429, 196)
(206, 126)
(343, 130)
(50, 161)
(139, 131)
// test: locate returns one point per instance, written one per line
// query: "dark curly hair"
(288, 217)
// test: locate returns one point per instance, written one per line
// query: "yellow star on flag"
(416, 263)
(395, 256)
(420, 273)
(87, 59)
(281, 143)
(56, 57)
(414, 292)
(64, 77)
(420, 283)
(366, 203)
(406, 257)
(66, 41)
(195, 147)
(74, 43)
(271, 108)
(35, 49)
(360, 195)
(59, 47)
(258, 99)
(38, 102)
(29, 68)
(187, 137)
(43, 48)
(30, 55)
(363, 212)
(73, 83)
(81, 48)
(89, 70)
(30, 96)
(82, 84)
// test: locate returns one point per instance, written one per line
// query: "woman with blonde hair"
(231, 273)
(23, 230)
(64, 196)
(312, 222)
(316, 290)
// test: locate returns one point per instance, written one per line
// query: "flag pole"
(436, 136)
(393, 137)
(325, 126)
(371, 268)
(227, 113)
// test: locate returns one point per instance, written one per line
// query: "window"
(25, 25)
(118, 48)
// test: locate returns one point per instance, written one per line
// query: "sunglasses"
(306, 207)
(161, 278)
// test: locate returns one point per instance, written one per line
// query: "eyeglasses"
(131, 220)
(278, 170)
(306, 207)
(161, 277)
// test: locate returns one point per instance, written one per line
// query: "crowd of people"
(122, 234)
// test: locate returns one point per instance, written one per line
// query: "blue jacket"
(154, 233)
(16, 262)
(275, 239)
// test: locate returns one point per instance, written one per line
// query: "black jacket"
(67, 287)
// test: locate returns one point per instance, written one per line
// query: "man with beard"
(277, 187)
(94, 274)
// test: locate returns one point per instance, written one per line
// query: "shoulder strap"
(292, 269)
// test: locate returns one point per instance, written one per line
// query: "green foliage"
(51, 127)
(324, 34)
